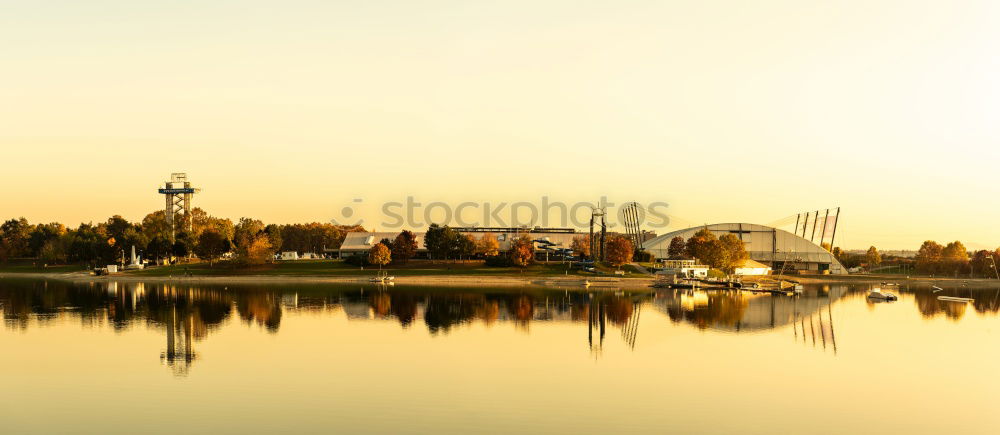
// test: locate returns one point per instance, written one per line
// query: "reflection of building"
(742, 311)
(767, 245)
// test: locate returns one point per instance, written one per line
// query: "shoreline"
(414, 280)
(597, 283)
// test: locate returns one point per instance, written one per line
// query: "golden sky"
(728, 111)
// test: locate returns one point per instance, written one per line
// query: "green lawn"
(339, 268)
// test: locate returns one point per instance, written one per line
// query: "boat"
(955, 299)
(878, 294)
(383, 276)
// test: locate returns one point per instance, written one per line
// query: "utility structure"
(178, 193)
(598, 216)
(633, 214)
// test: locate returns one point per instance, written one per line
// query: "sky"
(726, 111)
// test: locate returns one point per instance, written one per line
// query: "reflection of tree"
(404, 307)
(929, 305)
(260, 307)
(381, 304)
(442, 312)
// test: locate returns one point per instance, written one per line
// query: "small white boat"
(383, 277)
(955, 299)
(880, 295)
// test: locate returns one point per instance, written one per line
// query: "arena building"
(773, 247)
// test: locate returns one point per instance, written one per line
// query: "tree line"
(445, 243)
(200, 234)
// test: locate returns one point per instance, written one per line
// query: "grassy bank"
(339, 268)
(36, 268)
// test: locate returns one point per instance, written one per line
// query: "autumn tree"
(404, 246)
(581, 246)
(258, 251)
(700, 244)
(929, 257)
(522, 251)
(734, 252)
(872, 257)
(379, 255)
(253, 246)
(619, 251)
(487, 245)
(955, 251)
(677, 247)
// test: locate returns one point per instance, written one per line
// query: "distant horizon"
(727, 111)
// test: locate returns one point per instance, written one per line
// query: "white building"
(685, 268)
(289, 255)
(749, 267)
(767, 245)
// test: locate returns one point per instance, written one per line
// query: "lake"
(164, 358)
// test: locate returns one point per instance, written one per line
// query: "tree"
(955, 251)
(735, 252)
(872, 257)
(183, 245)
(274, 236)
(699, 245)
(929, 256)
(676, 249)
(55, 250)
(488, 246)
(14, 237)
(404, 246)
(155, 225)
(465, 245)
(253, 246)
(42, 234)
(258, 251)
(619, 251)
(441, 242)
(581, 246)
(211, 245)
(522, 251)
(380, 255)
(159, 247)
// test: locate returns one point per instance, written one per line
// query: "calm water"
(157, 358)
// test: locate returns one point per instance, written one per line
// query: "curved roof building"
(765, 244)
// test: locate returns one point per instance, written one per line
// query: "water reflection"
(188, 314)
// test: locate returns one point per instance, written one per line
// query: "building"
(548, 241)
(289, 255)
(770, 246)
(684, 268)
(749, 267)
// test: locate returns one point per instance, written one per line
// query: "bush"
(716, 273)
(499, 261)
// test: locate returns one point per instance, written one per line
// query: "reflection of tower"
(596, 319)
(178, 193)
(180, 352)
